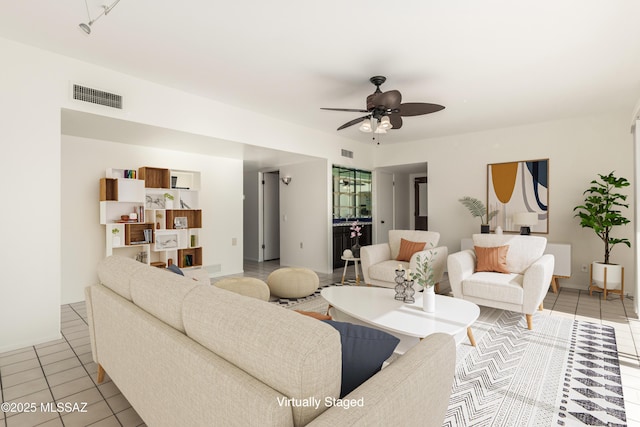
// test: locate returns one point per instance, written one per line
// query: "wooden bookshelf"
(155, 177)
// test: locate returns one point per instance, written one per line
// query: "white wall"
(305, 216)
(251, 216)
(578, 149)
(84, 162)
(35, 86)
(30, 218)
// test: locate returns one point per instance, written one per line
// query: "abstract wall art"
(517, 187)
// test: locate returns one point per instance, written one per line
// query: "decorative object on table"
(400, 288)
(601, 212)
(409, 292)
(525, 220)
(115, 239)
(347, 253)
(478, 209)
(168, 202)
(180, 222)
(498, 230)
(356, 232)
(424, 276)
(521, 186)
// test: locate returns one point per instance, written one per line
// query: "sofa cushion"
(494, 287)
(408, 248)
(492, 259)
(364, 350)
(296, 355)
(386, 270)
(161, 293)
(175, 269)
(523, 250)
(115, 272)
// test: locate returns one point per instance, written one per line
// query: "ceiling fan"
(385, 110)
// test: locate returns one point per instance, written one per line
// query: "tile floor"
(62, 371)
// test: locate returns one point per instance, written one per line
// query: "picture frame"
(166, 241)
(518, 187)
(154, 201)
(180, 222)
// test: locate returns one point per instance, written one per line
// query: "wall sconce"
(286, 180)
(525, 220)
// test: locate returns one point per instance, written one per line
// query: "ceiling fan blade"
(396, 120)
(390, 100)
(354, 121)
(352, 110)
(418, 108)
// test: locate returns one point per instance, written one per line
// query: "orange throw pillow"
(315, 315)
(492, 259)
(408, 248)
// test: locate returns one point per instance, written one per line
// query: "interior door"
(420, 191)
(271, 216)
(384, 206)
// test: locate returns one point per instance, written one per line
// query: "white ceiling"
(492, 63)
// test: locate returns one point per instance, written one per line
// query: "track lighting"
(105, 11)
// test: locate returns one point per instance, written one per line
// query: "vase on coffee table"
(429, 299)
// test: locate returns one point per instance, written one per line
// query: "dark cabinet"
(342, 241)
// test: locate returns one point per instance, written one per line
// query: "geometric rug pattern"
(592, 387)
(561, 373)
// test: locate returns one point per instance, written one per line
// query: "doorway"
(271, 216)
(420, 203)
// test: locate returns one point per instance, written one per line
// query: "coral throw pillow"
(408, 248)
(492, 259)
(315, 315)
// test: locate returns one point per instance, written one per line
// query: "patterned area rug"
(562, 373)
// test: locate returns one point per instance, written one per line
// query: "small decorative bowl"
(124, 217)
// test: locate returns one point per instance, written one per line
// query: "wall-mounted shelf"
(165, 231)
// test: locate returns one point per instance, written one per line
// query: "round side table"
(355, 265)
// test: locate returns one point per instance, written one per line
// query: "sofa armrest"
(460, 266)
(88, 302)
(417, 383)
(373, 254)
(439, 261)
(535, 282)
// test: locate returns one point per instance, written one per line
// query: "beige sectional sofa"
(190, 354)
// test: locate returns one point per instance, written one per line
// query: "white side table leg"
(355, 264)
(344, 271)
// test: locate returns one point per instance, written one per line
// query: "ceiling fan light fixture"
(385, 123)
(380, 130)
(365, 126)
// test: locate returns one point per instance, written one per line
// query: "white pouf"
(293, 282)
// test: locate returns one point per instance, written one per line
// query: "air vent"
(94, 96)
(347, 153)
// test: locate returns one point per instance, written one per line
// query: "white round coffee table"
(378, 308)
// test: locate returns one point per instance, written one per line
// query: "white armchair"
(522, 289)
(379, 262)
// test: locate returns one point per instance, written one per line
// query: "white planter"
(429, 300)
(168, 204)
(611, 273)
(115, 241)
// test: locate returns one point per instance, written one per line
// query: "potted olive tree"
(477, 209)
(601, 213)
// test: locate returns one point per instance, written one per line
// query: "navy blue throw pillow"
(363, 352)
(175, 269)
